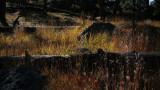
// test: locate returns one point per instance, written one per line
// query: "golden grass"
(61, 80)
(65, 42)
(50, 42)
(54, 42)
(117, 20)
(101, 79)
(41, 42)
(149, 22)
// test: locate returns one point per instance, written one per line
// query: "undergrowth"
(65, 41)
(58, 42)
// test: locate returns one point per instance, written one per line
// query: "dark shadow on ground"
(38, 16)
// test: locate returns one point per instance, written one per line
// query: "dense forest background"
(135, 9)
(80, 44)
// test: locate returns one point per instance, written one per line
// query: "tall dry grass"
(49, 42)
(110, 78)
(65, 42)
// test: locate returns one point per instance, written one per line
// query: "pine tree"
(2, 12)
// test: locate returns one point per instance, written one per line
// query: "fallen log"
(150, 58)
(114, 56)
(114, 63)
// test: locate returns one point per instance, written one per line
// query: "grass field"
(60, 42)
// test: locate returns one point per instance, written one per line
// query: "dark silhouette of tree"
(130, 7)
(116, 6)
(156, 10)
(101, 9)
(45, 8)
(2, 12)
(88, 7)
(147, 4)
(16, 22)
(157, 1)
(134, 14)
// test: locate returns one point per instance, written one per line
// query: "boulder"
(97, 27)
(84, 51)
(21, 78)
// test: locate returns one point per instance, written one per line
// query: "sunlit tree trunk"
(2, 12)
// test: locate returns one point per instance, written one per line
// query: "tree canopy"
(102, 8)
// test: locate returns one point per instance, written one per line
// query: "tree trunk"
(134, 22)
(45, 8)
(134, 15)
(157, 1)
(2, 12)
(147, 4)
(116, 4)
(147, 9)
(101, 9)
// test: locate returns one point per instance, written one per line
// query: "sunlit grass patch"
(65, 41)
(117, 20)
(150, 23)
(94, 42)
(16, 44)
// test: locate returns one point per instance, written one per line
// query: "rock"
(100, 51)
(21, 78)
(125, 25)
(97, 27)
(83, 51)
(30, 30)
